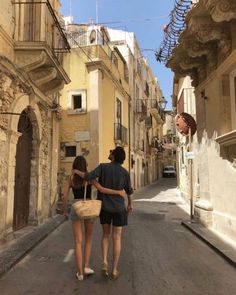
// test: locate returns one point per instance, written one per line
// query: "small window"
(70, 151)
(92, 36)
(77, 101)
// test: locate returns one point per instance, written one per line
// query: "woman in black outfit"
(78, 186)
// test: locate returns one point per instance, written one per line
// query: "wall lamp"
(162, 103)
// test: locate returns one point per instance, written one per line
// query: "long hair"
(79, 164)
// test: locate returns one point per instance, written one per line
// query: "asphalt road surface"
(159, 257)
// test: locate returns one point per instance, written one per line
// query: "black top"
(79, 192)
(114, 176)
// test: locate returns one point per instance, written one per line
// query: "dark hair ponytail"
(79, 164)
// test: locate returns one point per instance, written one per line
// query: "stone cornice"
(9, 69)
(227, 139)
(221, 10)
(205, 42)
(205, 30)
(196, 48)
(19, 78)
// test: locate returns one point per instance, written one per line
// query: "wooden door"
(22, 173)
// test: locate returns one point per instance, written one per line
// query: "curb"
(22, 246)
(227, 251)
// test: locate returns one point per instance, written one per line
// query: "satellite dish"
(184, 122)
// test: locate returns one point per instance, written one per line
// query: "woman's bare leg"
(77, 232)
(88, 242)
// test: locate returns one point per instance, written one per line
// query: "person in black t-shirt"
(113, 215)
(77, 184)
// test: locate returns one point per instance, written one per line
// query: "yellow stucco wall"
(101, 81)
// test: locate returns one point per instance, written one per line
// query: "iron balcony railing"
(143, 105)
(121, 133)
(36, 21)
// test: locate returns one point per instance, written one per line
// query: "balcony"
(157, 144)
(155, 110)
(141, 108)
(148, 122)
(121, 134)
(40, 44)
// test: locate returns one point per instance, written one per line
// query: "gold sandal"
(105, 270)
(115, 275)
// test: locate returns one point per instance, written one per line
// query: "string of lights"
(173, 30)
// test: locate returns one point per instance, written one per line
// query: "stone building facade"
(169, 142)
(31, 50)
(95, 105)
(146, 116)
(207, 53)
(112, 100)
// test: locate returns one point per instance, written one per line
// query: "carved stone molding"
(212, 59)
(221, 10)
(188, 63)
(180, 72)
(30, 61)
(8, 71)
(42, 68)
(11, 85)
(43, 77)
(205, 43)
(205, 30)
(196, 48)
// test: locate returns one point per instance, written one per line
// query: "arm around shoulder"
(108, 191)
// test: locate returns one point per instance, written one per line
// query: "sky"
(145, 18)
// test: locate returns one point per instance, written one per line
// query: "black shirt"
(79, 192)
(114, 176)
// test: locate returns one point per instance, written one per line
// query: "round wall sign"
(184, 122)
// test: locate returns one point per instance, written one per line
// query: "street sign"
(189, 155)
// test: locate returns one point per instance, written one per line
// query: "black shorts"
(114, 218)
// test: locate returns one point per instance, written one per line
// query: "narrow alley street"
(159, 256)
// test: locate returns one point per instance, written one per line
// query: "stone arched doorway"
(22, 172)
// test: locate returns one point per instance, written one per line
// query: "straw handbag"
(87, 209)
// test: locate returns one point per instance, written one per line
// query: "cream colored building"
(31, 73)
(207, 53)
(169, 142)
(146, 118)
(95, 105)
(112, 100)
